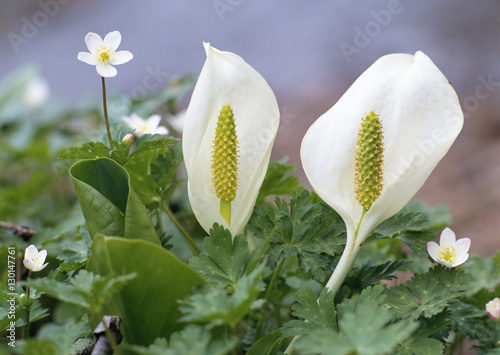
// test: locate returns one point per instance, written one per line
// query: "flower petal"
(226, 79)
(42, 255)
(112, 40)
(106, 70)
(87, 58)
(445, 263)
(161, 130)
(29, 264)
(30, 252)
(462, 246)
(434, 250)
(461, 258)
(121, 57)
(447, 237)
(92, 40)
(152, 122)
(42, 267)
(421, 118)
(133, 120)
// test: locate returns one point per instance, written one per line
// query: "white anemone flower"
(449, 252)
(103, 53)
(142, 126)
(33, 260)
(493, 309)
(229, 129)
(417, 115)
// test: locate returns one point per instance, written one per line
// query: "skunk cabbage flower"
(373, 150)
(33, 260)
(493, 309)
(229, 129)
(141, 126)
(450, 252)
(103, 53)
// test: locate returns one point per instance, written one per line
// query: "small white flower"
(493, 309)
(37, 93)
(141, 126)
(450, 252)
(33, 260)
(103, 53)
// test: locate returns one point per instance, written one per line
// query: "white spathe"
(226, 79)
(421, 117)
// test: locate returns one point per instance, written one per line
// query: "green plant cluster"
(112, 229)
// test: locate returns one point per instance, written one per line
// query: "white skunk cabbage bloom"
(493, 309)
(449, 252)
(229, 130)
(373, 150)
(33, 260)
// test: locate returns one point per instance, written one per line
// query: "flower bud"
(493, 309)
(128, 139)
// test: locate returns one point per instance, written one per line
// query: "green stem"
(267, 296)
(106, 112)
(27, 325)
(225, 210)
(190, 242)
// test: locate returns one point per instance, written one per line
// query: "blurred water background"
(308, 51)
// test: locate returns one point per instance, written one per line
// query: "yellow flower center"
(448, 253)
(368, 178)
(225, 155)
(104, 54)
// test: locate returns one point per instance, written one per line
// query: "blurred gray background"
(308, 51)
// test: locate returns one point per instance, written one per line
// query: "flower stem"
(225, 210)
(346, 260)
(190, 242)
(106, 111)
(258, 330)
(27, 325)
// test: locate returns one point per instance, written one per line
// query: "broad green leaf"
(108, 202)
(366, 275)
(485, 273)
(224, 263)
(466, 320)
(147, 305)
(420, 346)
(427, 294)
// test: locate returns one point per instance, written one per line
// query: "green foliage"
(364, 328)
(316, 313)
(192, 340)
(275, 183)
(108, 202)
(217, 307)
(366, 275)
(223, 266)
(427, 294)
(147, 305)
(310, 231)
(86, 289)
